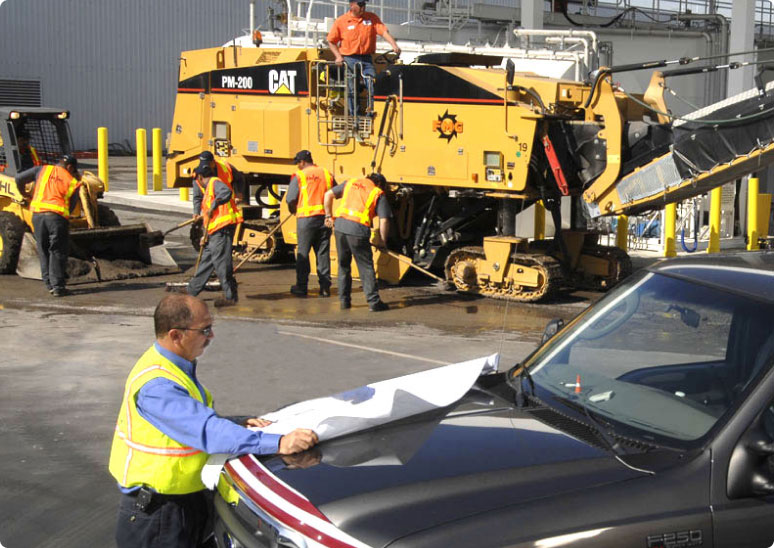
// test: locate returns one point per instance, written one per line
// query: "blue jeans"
(52, 234)
(368, 73)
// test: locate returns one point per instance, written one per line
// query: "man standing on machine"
(352, 40)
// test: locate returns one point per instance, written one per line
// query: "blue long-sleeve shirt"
(169, 407)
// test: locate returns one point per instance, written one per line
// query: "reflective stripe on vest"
(35, 159)
(358, 203)
(224, 172)
(313, 181)
(225, 214)
(54, 187)
(143, 455)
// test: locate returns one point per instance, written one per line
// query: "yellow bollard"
(184, 194)
(157, 152)
(714, 236)
(142, 162)
(622, 233)
(540, 221)
(670, 223)
(102, 155)
(753, 187)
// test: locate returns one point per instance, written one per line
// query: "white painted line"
(360, 347)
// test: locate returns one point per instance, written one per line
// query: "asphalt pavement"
(65, 362)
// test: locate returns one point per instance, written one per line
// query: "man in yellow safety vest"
(166, 430)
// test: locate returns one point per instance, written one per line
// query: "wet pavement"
(65, 362)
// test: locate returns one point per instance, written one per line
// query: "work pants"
(313, 234)
(217, 256)
(52, 234)
(169, 521)
(348, 246)
(360, 65)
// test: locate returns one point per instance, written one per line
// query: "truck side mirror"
(751, 468)
(552, 328)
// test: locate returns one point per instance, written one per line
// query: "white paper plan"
(371, 405)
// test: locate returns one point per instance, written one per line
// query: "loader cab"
(32, 136)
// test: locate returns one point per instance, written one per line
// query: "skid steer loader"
(100, 248)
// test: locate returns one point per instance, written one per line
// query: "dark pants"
(52, 233)
(216, 256)
(169, 521)
(313, 234)
(348, 246)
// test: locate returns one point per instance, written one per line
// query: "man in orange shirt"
(352, 40)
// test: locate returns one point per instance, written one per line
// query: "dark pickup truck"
(645, 422)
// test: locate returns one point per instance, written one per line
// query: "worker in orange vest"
(361, 201)
(220, 216)
(305, 198)
(53, 197)
(227, 173)
(28, 155)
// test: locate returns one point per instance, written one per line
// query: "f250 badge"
(678, 539)
(447, 126)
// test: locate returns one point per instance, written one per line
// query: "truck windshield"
(661, 355)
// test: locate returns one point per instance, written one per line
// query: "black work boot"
(298, 291)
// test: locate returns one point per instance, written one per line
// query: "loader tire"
(11, 235)
(106, 216)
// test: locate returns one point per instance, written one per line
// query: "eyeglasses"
(206, 331)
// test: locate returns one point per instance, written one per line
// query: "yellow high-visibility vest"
(141, 453)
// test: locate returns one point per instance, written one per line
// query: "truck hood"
(389, 482)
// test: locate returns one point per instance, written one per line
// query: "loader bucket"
(105, 253)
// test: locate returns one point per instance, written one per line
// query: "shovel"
(444, 284)
(156, 237)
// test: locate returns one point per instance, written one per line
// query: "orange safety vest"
(358, 203)
(225, 214)
(224, 172)
(54, 187)
(35, 158)
(313, 181)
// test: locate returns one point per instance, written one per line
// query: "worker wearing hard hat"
(305, 198)
(166, 430)
(53, 198)
(352, 39)
(361, 201)
(220, 216)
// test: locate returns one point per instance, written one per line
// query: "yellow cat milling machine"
(466, 147)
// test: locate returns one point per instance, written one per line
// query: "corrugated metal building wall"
(111, 62)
